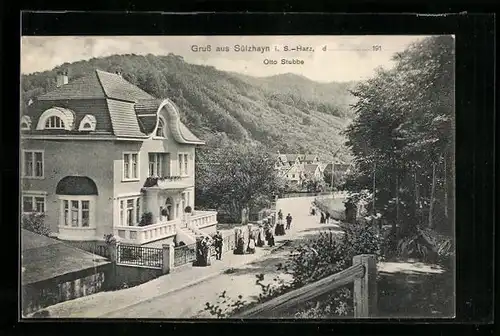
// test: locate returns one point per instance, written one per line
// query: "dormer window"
(88, 123)
(25, 123)
(56, 118)
(160, 130)
(54, 122)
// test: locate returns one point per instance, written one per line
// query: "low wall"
(134, 275)
(36, 296)
(94, 246)
(305, 194)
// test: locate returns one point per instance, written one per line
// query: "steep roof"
(132, 111)
(310, 168)
(99, 84)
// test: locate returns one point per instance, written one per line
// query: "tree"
(403, 134)
(231, 176)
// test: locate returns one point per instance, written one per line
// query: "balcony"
(167, 182)
(146, 234)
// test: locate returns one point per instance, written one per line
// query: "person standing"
(270, 238)
(251, 244)
(260, 237)
(218, 245)
(288, 221)
(280, 217)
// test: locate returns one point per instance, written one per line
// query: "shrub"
(321, 256)
(35, 223)
(146, 219)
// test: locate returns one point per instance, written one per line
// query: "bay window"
(77, 211)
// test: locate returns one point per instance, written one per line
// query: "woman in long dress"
(251, 244)
(260, 237)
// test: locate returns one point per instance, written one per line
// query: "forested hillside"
(286, 112)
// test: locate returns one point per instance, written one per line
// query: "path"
(190, 302)
(160, 297)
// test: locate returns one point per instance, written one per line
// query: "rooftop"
(44, 258)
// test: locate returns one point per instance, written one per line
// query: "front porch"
(140, 235)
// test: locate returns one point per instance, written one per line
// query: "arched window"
(54, 122)
(88, 123)
(56, 118)
(160, 130)
(25, 123)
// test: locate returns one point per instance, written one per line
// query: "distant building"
(293, 166)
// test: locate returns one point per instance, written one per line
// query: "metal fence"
(140, 256)
(184, 254)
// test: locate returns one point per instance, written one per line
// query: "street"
(189, 302)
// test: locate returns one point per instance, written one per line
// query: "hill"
(286, 112)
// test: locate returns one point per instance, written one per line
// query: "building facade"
(100, 156)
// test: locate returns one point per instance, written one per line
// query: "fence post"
(113, 257)
(365, 295)
(168, 258)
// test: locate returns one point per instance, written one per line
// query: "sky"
(347, 58)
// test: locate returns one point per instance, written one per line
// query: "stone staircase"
(189, 235)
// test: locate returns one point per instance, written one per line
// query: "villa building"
(101, 156)
(293, 167)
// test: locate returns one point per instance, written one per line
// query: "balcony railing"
(168, 182)
(145, 234)
(200, 219)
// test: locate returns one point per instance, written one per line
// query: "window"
(88, 123)
(33, 204)
(56, 118)
(54, 122)
(130, 211)
(76, 213)
(25, 123)
(33, 164)
(130, 166)
(85, 213)
(183, 164)
(160, 130)
(180, 164)
(186, 170)
(157, 164)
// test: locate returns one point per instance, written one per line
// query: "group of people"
(280, 229)
(265, 233)
(324, 216)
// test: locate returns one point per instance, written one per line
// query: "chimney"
(62, 78)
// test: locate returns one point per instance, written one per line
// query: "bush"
(319, 257)
(35, 223)
(146, 219)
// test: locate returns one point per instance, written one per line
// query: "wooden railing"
(363, 273)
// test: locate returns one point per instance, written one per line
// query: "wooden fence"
(363, 273)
